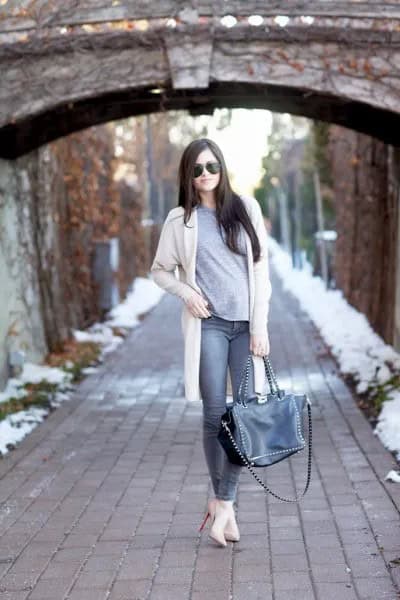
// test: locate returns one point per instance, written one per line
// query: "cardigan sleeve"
(262, 283)
(165, 261)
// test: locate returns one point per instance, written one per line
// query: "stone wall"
(367, 213)
(21, 324)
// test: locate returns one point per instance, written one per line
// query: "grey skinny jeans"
(223, 343)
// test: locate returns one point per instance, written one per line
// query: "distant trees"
(359, 184)
(286, 193)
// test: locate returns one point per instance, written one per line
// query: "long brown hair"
(230, 210)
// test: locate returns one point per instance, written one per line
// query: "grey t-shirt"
(221, 274)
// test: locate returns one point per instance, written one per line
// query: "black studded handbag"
(263, 429)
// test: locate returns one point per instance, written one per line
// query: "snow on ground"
(16, 426)
(393, 476)
(388, 426)
(359, 350)
(100, 333)
(144, 294)
(35, 373)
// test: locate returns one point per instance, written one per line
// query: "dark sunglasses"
(212, 167)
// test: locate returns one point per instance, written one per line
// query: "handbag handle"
(272, 381)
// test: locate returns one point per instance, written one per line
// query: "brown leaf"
(367, 66)
(298, 66)
(282, 54)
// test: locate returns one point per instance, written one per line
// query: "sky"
(243, 143)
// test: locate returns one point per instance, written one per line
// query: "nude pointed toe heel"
(224, 523)
(231, 530)
(219, 522)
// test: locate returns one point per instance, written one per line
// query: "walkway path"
(104, 499)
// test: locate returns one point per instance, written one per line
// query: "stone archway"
(82, 65)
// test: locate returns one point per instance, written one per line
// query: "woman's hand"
(259, 345)
(197, 305)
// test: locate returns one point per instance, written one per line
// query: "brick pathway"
(104, 499)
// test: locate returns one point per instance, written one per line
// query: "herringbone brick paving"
(104, 499)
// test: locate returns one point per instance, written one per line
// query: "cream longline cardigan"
(177, 249)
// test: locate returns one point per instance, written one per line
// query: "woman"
(218, 242)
